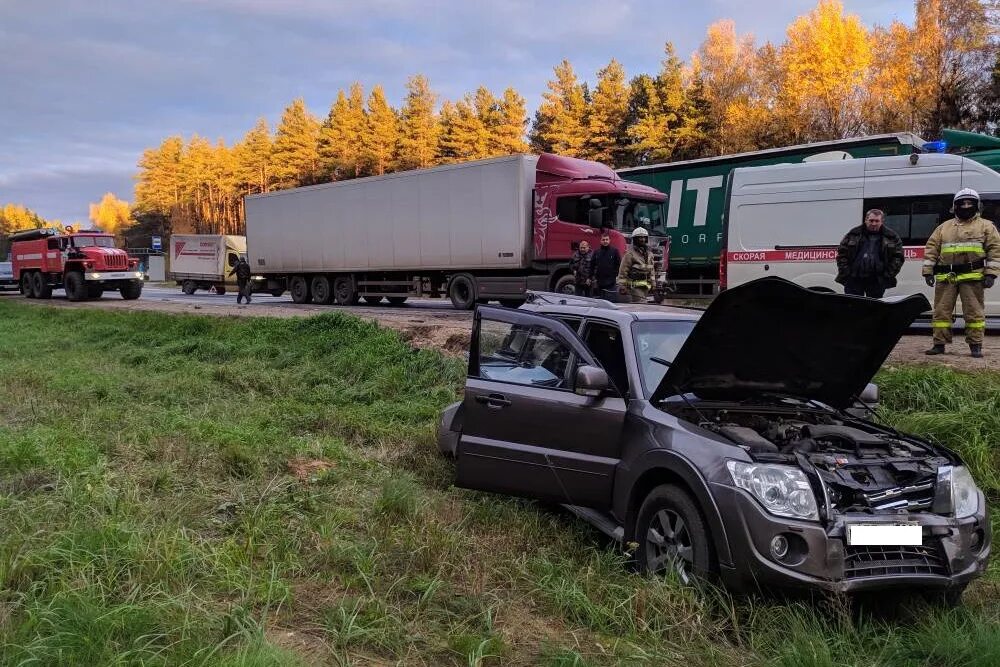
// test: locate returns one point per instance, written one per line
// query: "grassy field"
(180, 490)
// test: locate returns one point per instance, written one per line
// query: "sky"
(85, 87)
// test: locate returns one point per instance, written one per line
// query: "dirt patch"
(910, 350)
(307, 470)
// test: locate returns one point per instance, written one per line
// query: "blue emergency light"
(939, 146)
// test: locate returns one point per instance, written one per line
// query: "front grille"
(115, 261)
(860, 562)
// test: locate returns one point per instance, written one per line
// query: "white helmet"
(639, 231)
(966, 193)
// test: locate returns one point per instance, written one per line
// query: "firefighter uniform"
(636, 273)
(959, 256)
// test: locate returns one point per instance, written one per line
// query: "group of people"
(604, 273)
(961, 259)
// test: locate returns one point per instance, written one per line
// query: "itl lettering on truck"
(478, 231)
(696, 192)
(787, 220)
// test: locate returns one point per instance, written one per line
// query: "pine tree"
(296, 147)
(253, 157)
(419, 127)
(340, 136)
(464, 137)
(560, 122)
(507, 135)
(381, 133)
(648, 129)
(607, 132)
(158, 187)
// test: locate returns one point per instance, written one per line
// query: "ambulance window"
(991, 209)
(913, 218)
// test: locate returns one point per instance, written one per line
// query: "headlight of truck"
(964, 492)
(782, 490)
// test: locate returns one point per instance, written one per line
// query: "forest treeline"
(832, 77)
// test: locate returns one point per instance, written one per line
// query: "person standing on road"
(582, 266)
(606, 263)
(962, 257)
(870, 257)
(635, 275)
(242, 271)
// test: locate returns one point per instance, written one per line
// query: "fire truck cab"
(84, 263)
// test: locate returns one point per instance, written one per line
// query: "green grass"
(158, 508)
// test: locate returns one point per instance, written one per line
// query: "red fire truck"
(84, 263)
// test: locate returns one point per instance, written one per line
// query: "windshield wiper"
(658, 360)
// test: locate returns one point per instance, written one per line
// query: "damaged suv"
(726, 442)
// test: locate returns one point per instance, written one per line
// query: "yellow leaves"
(111, 214)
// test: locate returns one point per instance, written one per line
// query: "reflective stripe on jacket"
(958, 242)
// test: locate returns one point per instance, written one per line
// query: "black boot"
(938, 348)
(976, 351)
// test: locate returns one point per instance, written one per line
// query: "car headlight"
(964, 492)
(782, 490)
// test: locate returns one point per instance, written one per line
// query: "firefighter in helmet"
(636, 272)
(962, 258)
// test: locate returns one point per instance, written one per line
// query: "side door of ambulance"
(526, 431)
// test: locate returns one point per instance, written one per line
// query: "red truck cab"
(578, 200)
(84, 263)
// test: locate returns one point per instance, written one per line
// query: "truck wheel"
(321, 290)
(462, 291)
(372, 299)
(95, 291)
(277, 291)
(299, 287)
(189, 287)
(343, 291)
(672, 535)
(27, 289)
(220, 289)
(565, 285)
(76, 288)
(131, 290)
(396, 300)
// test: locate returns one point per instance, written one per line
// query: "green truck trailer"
(697, 193)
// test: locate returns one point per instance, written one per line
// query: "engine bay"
(863, 467)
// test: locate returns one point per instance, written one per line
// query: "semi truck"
(697, 195)
(203, 261)
(478, 231)
(84, 263)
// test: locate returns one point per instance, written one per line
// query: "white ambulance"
(788, 219)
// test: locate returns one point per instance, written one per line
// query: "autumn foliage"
(832, 77)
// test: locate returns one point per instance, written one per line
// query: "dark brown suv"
(723, 442)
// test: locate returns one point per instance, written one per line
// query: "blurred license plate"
(908, 535)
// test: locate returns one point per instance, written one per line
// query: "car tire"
(75, 286)
(344, 292)
(220, 289)
(277, 292)
(396, 300)
(299, 287)
(671, 533)
(189, 287)
(131, 290)
(372, 299)
(462, 292)
(321, 290)
(40, 286)
(565, 285)
(511, 303)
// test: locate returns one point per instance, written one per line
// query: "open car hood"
(772, 336)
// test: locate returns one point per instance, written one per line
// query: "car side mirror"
(870, 394)
(591, 381)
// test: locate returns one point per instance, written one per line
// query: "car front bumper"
(113, 275)
(952, 553)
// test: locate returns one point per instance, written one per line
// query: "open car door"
(533, 424)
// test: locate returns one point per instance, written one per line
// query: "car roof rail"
(559, 299)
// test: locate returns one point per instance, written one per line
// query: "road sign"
(157, 243)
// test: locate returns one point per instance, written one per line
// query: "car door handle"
(494, 401)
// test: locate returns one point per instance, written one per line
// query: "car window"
(570, 321)
(660, 339)
(605, 342)
(521, 354)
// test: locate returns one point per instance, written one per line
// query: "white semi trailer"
(478, 231)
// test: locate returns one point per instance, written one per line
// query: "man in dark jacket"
(869, 257)
(606, 263)
(242, 271)
(582, 266)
